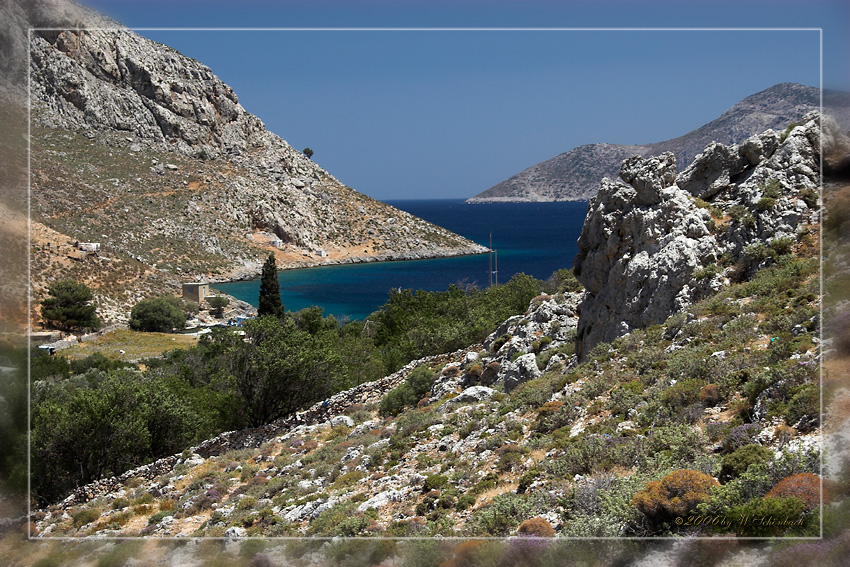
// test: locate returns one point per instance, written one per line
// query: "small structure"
(196, 291)
(276, 242)
(89, 246)
(43, 337)
(322, 253)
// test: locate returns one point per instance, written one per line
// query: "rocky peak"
(658, 242)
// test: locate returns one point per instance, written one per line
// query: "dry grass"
(135, 345)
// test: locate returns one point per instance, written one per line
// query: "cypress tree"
(270, 303)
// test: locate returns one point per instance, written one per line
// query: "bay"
(533, 238)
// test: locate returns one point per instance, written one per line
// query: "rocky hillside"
(712, 410)
(149, 154)
(575, 175)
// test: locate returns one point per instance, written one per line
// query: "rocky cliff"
(147, 152)
(575, 175)
(656, 242)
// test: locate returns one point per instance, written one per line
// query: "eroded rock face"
(637, 258)
(648, 249)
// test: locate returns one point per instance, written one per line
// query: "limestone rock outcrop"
(660, 241)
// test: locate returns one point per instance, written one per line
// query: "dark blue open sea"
(534, 238)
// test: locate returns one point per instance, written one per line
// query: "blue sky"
(434, 114)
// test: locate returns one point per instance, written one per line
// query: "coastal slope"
(147, 153)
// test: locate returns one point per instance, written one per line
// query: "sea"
(532, 238)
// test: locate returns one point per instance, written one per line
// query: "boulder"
(381, 499)
(521, 370)
(470, 395)
(234, 532)
(341, 420)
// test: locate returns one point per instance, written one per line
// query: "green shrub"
(531, 394)
(784, 245)
(510, 457)
(85, 516)
(772, 188)
(157, 314)
(769, 517)
(490, 480)
(736, 463)
(416, 386)
(499, 517)
(500, 342)
(348, 479)
(217, 304)
(715, 212)
(681, 395)
(625, 397)
(562, 281)
(156, 518)
(706, 272)
(804, 405)
(394, 402)
(435, 482)
(527, 479)
(786, 132)
(562, 414)
(464, 502)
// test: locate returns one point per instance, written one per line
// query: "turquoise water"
(534, 238)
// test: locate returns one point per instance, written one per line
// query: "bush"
(217, 304)
(510, 457)
(625, 397)
(394, 402)
(156, 518)
(804, 407)
(769, 517)
(499, 343)
(435, 482)
(498, 518)
(674, 495)
(681, 394)
(805, 486)
(562, 281)
(85, 516)
(464, 502)
(741, 435)
(539, 527)
(710, 395)
(157, 314)
(414, 388)
(735, 464)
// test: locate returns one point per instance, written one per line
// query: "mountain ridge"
(575, 175)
